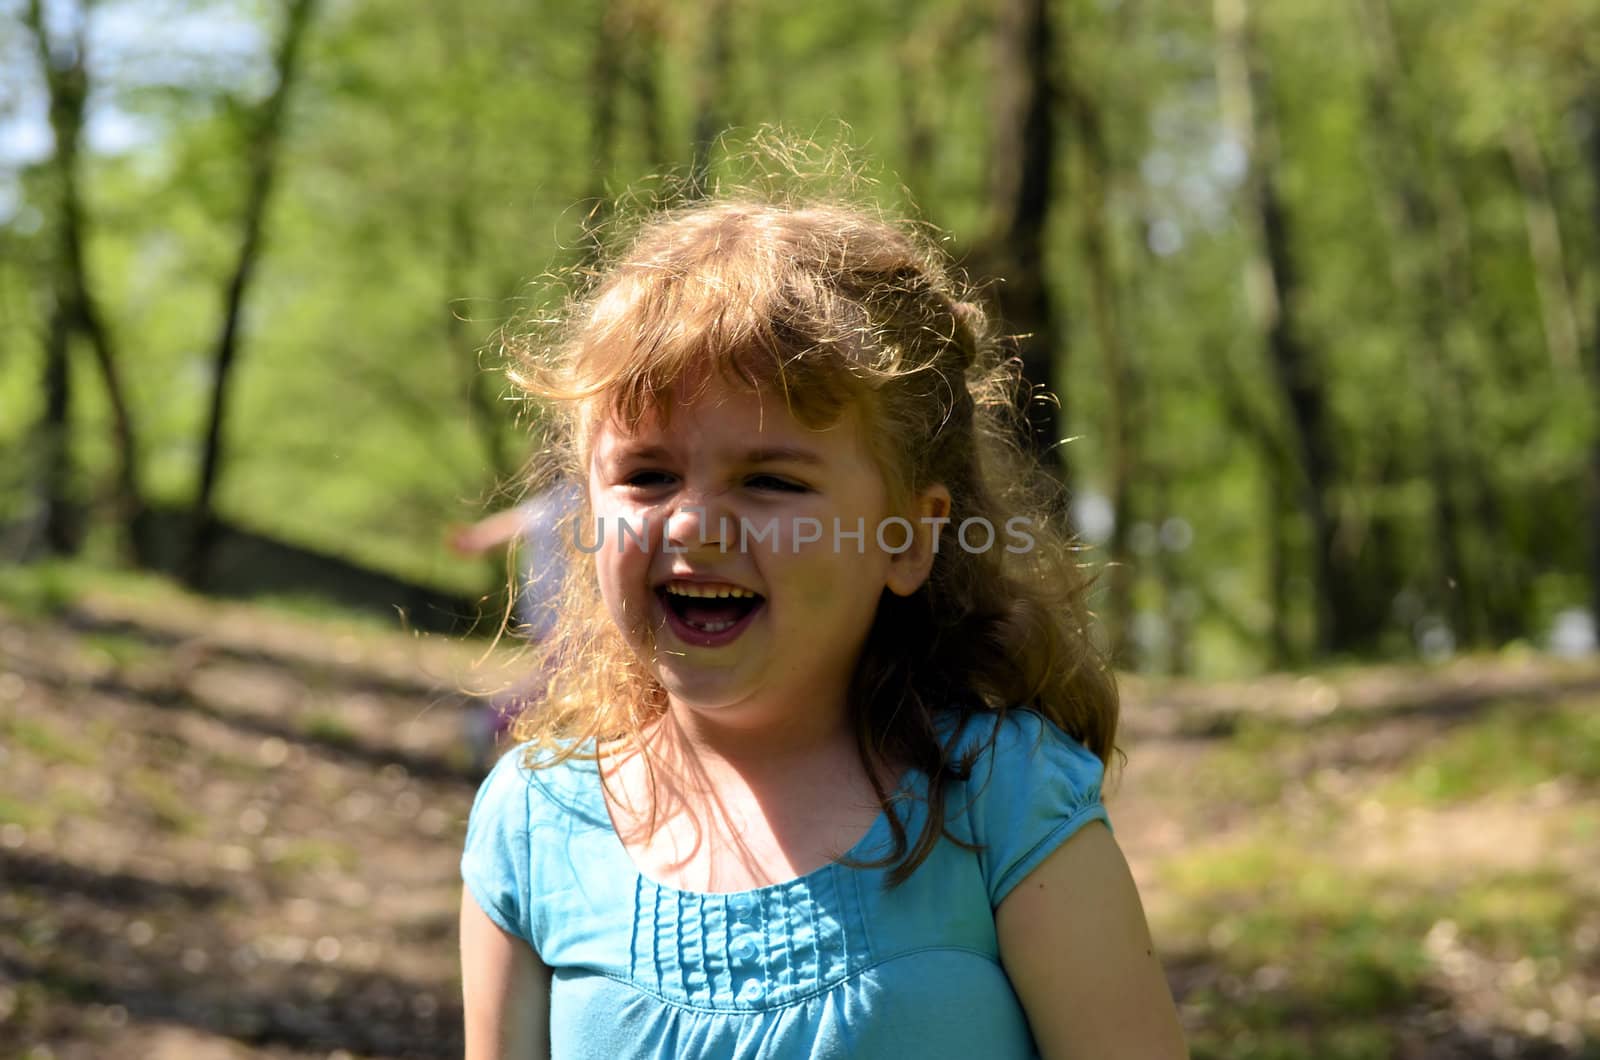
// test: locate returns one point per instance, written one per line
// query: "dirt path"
(234, 836)
(227, 833)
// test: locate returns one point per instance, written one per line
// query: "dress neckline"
(877, 833)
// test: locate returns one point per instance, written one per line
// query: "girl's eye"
(773, 482)
(647, 479)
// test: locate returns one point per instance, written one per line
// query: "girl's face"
(720, 562)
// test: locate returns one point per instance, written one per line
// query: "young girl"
(818, 771)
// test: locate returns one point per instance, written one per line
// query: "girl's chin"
(706, 690)
(701, 699)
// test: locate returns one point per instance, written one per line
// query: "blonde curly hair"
(836, 308)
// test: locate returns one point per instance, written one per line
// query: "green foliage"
(167, 808)
(301, 856)
(38, 590)
(27, 815)
(1330, 920)
(1348, 947)
(120, 649)
(326, 727)
(440, 158)
(1518, 746)
(45, 741)
(1526, 914)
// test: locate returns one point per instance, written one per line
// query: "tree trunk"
(710, 90)
(60, 522)
(262, 161)
(76, 311)
(1343, 618)
(605, 76)
(1490, 551)
(1279, 479)
(915, 60)
(1122, 413)
(644, 79)
(1591, 479)
(1421, 278)
(1022, 161)
(460, 253)
(1557, 308)
(1281, 510)
(921, 57)
(608, 70)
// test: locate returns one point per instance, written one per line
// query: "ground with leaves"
(233, 831)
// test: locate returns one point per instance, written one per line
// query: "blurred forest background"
(1318, 282)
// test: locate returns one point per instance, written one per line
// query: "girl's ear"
(930, 514)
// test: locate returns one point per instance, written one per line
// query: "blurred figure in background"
(536, 525)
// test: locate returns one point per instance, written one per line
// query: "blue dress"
(825, 965)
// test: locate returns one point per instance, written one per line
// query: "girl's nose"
(699, 521)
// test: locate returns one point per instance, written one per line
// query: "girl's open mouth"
(708, 616)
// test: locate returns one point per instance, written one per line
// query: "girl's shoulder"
(524, 812)
(1017, 738)
(529, 781)
(1029, 786)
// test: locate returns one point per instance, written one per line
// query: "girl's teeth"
(716, 627)
(708, 592)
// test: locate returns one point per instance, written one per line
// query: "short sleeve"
(497, 864)
(1028, 794)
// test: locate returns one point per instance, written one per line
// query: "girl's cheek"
(623, 531)
(621, 578)
(634, 534)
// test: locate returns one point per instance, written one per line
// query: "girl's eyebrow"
(782, 454)
(771, 454)
(640, 452)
